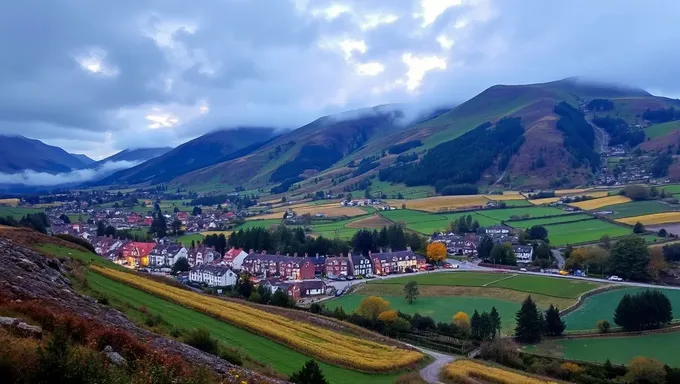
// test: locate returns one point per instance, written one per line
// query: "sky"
(96, 77)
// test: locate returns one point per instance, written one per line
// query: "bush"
(603, 326)
(77, 241)
(231, 355)
(200, 338)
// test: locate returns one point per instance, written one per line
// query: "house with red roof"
(137, 253)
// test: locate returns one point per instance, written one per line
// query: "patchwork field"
(583, 231)
(442, 203)
(506, 197)
(331, 210)
(547, 200)
(658, 130)
(17, 212)
(373, 221)
(260, 223)
(549, 220)
(636, 208)
(427, 223)
(619, 350)
(11, 202)
(601, 202)
(528, 212)
(672, 188)
(655, 218)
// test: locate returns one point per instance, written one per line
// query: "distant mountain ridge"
(18, 154)
(83, 159)
(137, 155)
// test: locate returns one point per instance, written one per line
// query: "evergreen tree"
(644, 310)
(638, 228)
(495, 319)
(475, 325)
(486, 330)
(555, 326)
(529, 323)
(309, 374)
(630, 258)
(101, 229)
(485, 247)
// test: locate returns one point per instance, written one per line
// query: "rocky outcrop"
(114, 357)
(26, 274)
(18, 327)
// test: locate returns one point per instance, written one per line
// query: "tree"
(475, 326)
(485, 247)
(65, 218)
(309, 374)
(436, 252)
(503, 254)
(175, 210)
(636, 192)
(181, 265)
(644, 310)
(662, 232)
(606, 242)
(603, 326)
(196, 211)
(555, 326)
(495, 319)
(538, 232)
(462, 321)
(372, 306)
(630, 258)
(411, 291)
(643, 370)
(388, 317)
(529, 322)
(657, 263)
(281, 299)
(101, 228)
(638, 228)
(176, 227)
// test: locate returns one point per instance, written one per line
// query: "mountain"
(322, 145)
(86, 161)
(18, 154)
(201, 152)
(136, 155)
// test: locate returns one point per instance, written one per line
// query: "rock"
(114, 357)
(20, 328)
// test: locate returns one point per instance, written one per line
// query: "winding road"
(432, 371)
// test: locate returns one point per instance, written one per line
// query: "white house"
(498, 229)
(523, 253)
(213, 275)
(164, 254)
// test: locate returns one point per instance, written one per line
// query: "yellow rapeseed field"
(329, 346)
(11, 201)
(562, 192)
(468, 369)
(601, 202)
(438, 203)
(505, 196)
(546, 200)
(655, 218)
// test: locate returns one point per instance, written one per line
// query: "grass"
(658, 130)
(428, 223)
(549, 220)
(187, 239)
(593, 204)
(602, 306)
(259, 223)
(392, 190)
(281, 358)
(517, 203)
(532, 212)
(619, 350)
(460, 279)
(17, 212)
(636, 208)
(583, 232)
(86, 257)
(672, 188)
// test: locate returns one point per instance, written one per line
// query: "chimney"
(317, 255)
(294, 254)
(264, 252)
(369, 254)
(381, 249)
(251, 251)
(287, 254)
(306, 254)
(408, 248)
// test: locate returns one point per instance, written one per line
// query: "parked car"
(429, 268)
(614, 278)
(350, 277)
(523, 269)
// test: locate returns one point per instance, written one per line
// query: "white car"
(614, 278)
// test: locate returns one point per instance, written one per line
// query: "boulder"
(18, 327)
(114, 357)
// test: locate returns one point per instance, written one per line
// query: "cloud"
(77, 176)
(98, 77)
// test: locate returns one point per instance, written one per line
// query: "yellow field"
(547, 200)
(595, 194)
(562, 192)
(13, 202)
(331, 210)
(331, 347)
(463, 370)
(434, 204)
(208, 233)
(655, 218)
(505, 196)
(601, 202)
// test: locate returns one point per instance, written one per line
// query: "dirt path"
(432, 371)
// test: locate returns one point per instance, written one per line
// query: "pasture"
(583, 232)
(671, 188)
(588, 205)
(17, 212)
(428, 223)
(282, 359)
(636, 208)
(187, 239)
(443, 203)
(619, 350)
(653, 219)
(548, 220)
(13, 202)
(602, 306)
(658, 130)
(259, 223)
(330, 209)
(528, 212)
(546, 200)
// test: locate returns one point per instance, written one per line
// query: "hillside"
(137, 155)
(18, 154)
(198, 153)
(83, 159)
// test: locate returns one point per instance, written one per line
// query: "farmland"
(636, 208)
(443, 203)
(17, 212)
(602, 306)
(549, 220)
(10, 202)
(601, 202)
(658, 130)
(619, 350)
(583, 231)
(332, 210)
(280, 358)
(546, 200)
(346, 351)
(655, 218)
(427, 223)
(187, 239)
(464, 371)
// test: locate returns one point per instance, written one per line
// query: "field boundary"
(499, 280)
(581, 299)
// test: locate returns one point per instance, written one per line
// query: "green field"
(658, 130)
(517, 203)
(259, 223)
(602, 306)
(281, 358)
(17, 212)
(392, 190)
(583, 231)
(428, 223)
(549, 220)
(619, 350)
(636, 208)
(186, 239)
(672, 188)
(439, 308)
(532, 212)
(550, 286)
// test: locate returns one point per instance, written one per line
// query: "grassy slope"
(583, 231)
(658, 130)
(545, 221)
(17, 212)
(636, 208)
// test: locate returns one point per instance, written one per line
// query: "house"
(202, 255)
(137, 253)
(312, 288)
(213, 275)
(361, 266)
(393, 262)
(498, 229)
(232, 255)
(523, 253)
(339, 265)
(293, 268)
(319, 263)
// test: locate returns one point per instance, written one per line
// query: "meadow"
(17, 212)
(658, 130)
(282, 359)
(583, 231)
(588, 205)
(428, 223)
(442, 203)
(10, 201)
(524, 224)
(187, 239)
(636, 208)
(530, 212)
(652, 219)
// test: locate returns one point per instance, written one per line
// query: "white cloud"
(33, 178)
(418, 66)
(432, 9)
(370, 69)
(445, 42)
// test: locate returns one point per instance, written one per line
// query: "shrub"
(603, 326)
(200, 338)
